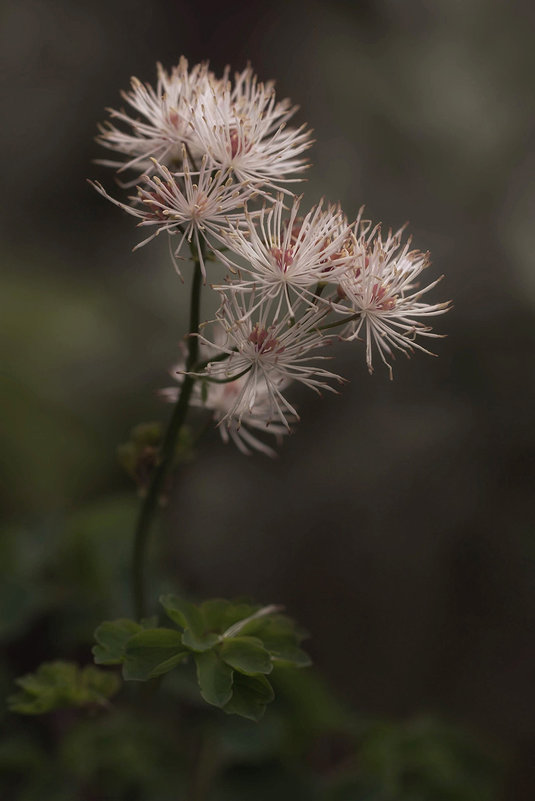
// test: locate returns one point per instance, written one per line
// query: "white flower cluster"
(212, 160)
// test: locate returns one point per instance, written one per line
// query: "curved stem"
(167, 451)
(219, 358)
(228, 380)
(342, 321)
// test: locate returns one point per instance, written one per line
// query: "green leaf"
(215, 614)
(280, 637)
(183, 613)
(103, 683)
(149, 622)
(215, 678)
(247, 655)
(112, 636)
(287, 654)
(250, 697)
(152, 653)
(275, 625)
(57, 685)
(199, 643)
(250, 619)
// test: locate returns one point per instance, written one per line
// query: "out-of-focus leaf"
(127, 754)
(286, 653)
(62, 684)
(423, 758)
(311, 707)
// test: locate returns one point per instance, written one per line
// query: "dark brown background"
(398, 517)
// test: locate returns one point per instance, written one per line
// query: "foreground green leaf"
(183, 613)
(250, 696)
(199, 643)
(285, 653)
(281, 637)
(112, 637)
(215, 613)
(228, 640)
(215, 678)
(152, 653)
(247, 655)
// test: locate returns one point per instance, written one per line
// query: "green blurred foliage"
(160, 740)
(50, 332)
(56, 685)
(62, 571)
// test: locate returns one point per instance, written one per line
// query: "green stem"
(167, 451)
(228, 380)
(342, 321)
(320, 286)
(219, 358)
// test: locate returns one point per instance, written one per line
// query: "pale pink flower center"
(156, 211)
(378, 293)
(238, 144)
(174, 119)
(284, 258)
(199, 207)
(263, 341)
(366, 265)
(345, 252)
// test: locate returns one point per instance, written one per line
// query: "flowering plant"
(216, 157)
(213, 159)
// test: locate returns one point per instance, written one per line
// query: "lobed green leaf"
(112, 637)
(287, 654)
(152, 653)
(183, 613)
(215, 614)
(215, 678)
(250, 697)
(201, 643)
(246, 655)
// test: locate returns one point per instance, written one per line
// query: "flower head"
(243, 129)
(267, 354)
(189, 205)
(159, 124)
(286, 256)
(380, 291)
(220, 398)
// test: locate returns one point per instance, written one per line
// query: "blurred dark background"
(396, 524)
